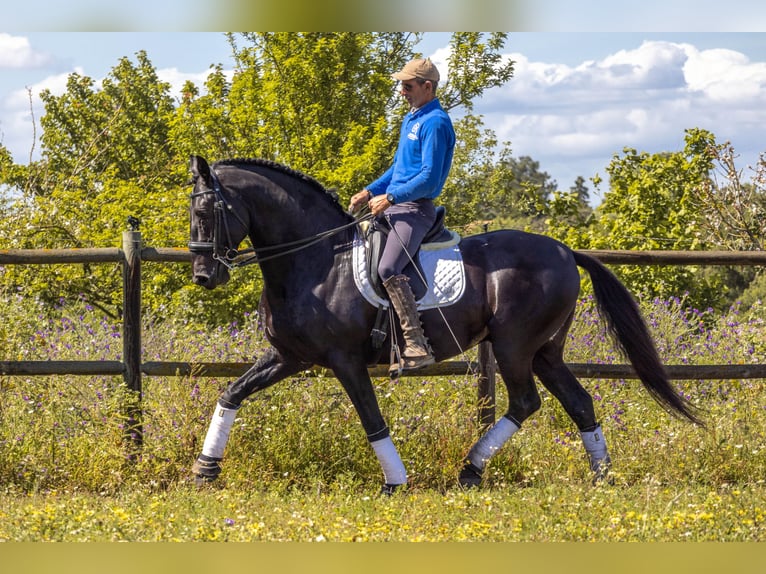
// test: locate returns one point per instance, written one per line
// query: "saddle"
(438, 261)
(376, 236)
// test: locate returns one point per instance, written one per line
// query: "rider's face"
(416, 92)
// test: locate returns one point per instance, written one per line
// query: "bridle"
(220, 248)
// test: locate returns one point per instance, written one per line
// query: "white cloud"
(56, 84)
(726, 76)
(177, 79)
(16, 52)
(440, 58)
(643, 98)
(654, 65)
(17, 126)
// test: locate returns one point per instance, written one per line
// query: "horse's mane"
(260, 162)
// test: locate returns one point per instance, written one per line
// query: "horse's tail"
(628, 329)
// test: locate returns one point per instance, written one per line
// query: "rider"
(405, 194)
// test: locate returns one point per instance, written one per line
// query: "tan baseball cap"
(422, 68)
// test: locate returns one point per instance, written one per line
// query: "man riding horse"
(404, 196)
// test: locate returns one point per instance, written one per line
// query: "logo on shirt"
(413, 135)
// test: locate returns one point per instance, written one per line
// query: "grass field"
(299, 468)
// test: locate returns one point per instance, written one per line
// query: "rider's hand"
(379, 204)
(359, 200)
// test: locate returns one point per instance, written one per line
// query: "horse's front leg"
(269, 369)
(357, 383)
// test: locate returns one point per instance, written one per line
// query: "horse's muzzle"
(204, 281)
(211, 278)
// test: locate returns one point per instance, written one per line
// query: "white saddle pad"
(443, 267)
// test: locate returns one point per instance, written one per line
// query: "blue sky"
(576, 99)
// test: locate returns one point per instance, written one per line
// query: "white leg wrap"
(595, 446)
(218, 432)
(393, 467)
(491, 442)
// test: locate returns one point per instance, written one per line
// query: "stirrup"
(395, 368)
(410, 364)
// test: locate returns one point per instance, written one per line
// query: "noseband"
(230, 257)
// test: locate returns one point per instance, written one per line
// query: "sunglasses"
(408, 87)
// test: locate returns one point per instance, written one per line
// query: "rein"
(231, 257)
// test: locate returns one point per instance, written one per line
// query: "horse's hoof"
(601, 473)
(202, 481)
(205, 470)
(470, 475)
(603, 478)
(389, 489)
(603, 481)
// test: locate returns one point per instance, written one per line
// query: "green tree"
(324, 103)
(653, 204)
(318, 102)
(530, 189)
(469, 185)
(517, 192)
(581, 193)
(569, 215)
(475, 65)
(730, 214)
(105, 156)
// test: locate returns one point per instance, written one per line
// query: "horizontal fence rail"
(679, 257)
(131, 368)
(41, 368)
(182, 255)
(444, 368)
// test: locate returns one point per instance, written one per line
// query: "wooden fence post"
(487, 376)
(131, 332)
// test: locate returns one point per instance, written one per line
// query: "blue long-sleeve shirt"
(423, 158)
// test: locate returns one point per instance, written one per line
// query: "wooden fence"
(131, 368)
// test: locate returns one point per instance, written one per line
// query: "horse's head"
(216, 230)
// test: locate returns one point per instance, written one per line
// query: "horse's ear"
(199, 168)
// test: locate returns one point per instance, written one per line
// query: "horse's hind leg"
(270, 368)
(555, 376)
(523, 400)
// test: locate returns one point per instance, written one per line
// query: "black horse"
(520, 295)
